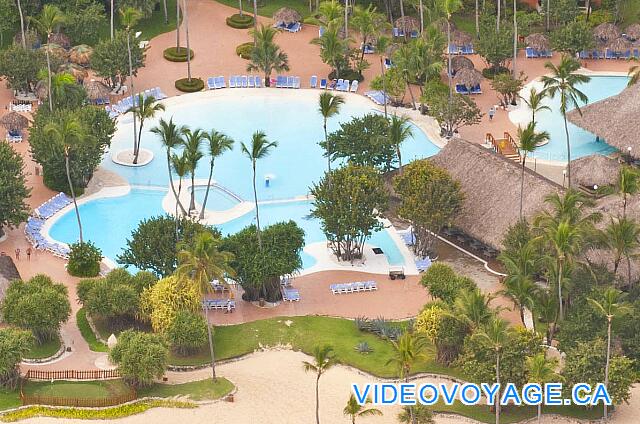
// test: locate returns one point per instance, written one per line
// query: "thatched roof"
(60, 39)
(606, 31)
(13, 121)
(633, 32)
(460, 62)
(8, 273)
(407, 24)
(614, 119)
(619, 45)
(41, 91)
(32, 37)
(441, 24)
(55, 50)
(81, 54)
(286, 15)
(78, 72)
(537, 40)
(468, 77)
(589, 171)
(491, 186)
(97, 90)
(460, 38)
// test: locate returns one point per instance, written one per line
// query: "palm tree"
(368, 22)
(332, 48)
(634, 74)
(192, 142)
(572, 207)
(541, 370)
(381, 49)
(400, 129)
(217, 144)
(200, 264)
(50, 18)
(266, 55)
(564, 81)
(64, 89)
(323, 359)
(546, 308)
(129, 18)
(628, 184)
(405, 58)
(621, 237)
(529, 141)
(515, 39)
(146, 108)
(178, 27)
(535, 102)
(495, 335)
(255, 23)
(449, 7)
(186, 33)
(259, 149)
(22, 32)
(519, 285)
(180, 165)
(611, 306)
(329, 106)
(66, 134)
(170, 136)
(111, 31)
(354, 409)
(473, 308)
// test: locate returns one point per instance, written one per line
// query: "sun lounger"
(453, 49)
(599, 54)
(408, 238)
(387, 63)
(462, 89)
(296, 82)
(258, 81)
(320, 31)
(220, 82)
(211, 83)
(339, 84)
(244, 81)
(313, 82)
(423, 264)
(609, 54)
(467, 49)
(476, 90)
(636, 53)
(323, 84)
(530, 53)
(291, 82)
(251, 82)
(354, 86)
(290, 295)
(397, 32)
(583, 54)
(367, 48)
(232, 81)
(626, 55)
(546, 53)
(377, 96)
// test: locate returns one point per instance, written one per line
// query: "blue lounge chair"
(232, 81)
(296, 82)
(367, 48)
(548, 53)
(468, 49)
(599, 54)
(244, 81)
(387, 63)
(395, 32)
(258, 81)
(530, 53)
(220, 82)
(583, 54)
(423, 264)
(354, 86)
(345, 85)
(339, 84)
(609, 54)
(323, 84)
(462, 89)
(280, 81)
(626, 55)
(476, 90)
(320, 31)
(313, 83)
(453, 49)
(211, 84)
(291, 82)
(636, 53)
(414, 34)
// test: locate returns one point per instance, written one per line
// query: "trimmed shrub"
(491, 72)
(84, 260)
(187, 333)
(186, 86)
(444, 284)
(173, 54)
(238, 21)
(244, 50)
(141, 357)
(348, 74)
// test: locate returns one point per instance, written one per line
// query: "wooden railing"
(72, 375)
(512, 142)
(29, 399)
(490, 139)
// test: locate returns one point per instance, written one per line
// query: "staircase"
(506, 146)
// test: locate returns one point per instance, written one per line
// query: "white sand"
(274, 389)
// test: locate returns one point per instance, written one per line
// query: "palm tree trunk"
(566, 132)
(192, 203)
(73, 195)
(624, 204)
(135, 123)
(166, 13)
(548, 15)
(477, 20)
(606, 368)
(539, 412)
(255, 199)
(186, 30)
(24, 40)
(560, 315)
(173, 189)
(213, 359)
(524, 159)
(588, 5)
(515, 39)
(255, 23)
(413, 100)
(346, 19)
(629, 270)
(206, 194)
(240, 7)
(111, 19)
(326, 140)
(140, 129)
(177, 26)
(498, 380)
(422, 17)
(399, 158)
(498, 25)
(384, 84)
(49, 74)
(318, 399)
(449, 59)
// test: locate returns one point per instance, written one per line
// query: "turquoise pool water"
(583, 143)
(293, 166)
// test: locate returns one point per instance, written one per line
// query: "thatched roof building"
(595, 170)
(491, 186)
(606, 31)
(407, 24)
(537, 41)
(460, 62)
(468, 77)
(613, 119)
(619, 45)
(460, 38)
(633, 32)
(8, 273)
(286, 15)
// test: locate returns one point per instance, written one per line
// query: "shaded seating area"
(537, 46)
(287, 19)
(14, 123)
(33, 233)
(406, 26)
(467, 81)
(52, 206)
(97, 92)
(460, 62)
(612, 44)
(461, 43)
(355, 287)
(594, 172)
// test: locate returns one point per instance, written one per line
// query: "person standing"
(29, 253)
(492, 111)
(17, 253)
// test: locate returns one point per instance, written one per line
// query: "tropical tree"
(192, 141)
(534, 101)
(449, 7)
(495, 334)
(529, 140)
(145, 108)
(329, 106)
(621, 237)
(354, 409)
(628, 185)
(129, 17)
(380, 48)
(13, 208)
(521, 267)
(22, 31)
(400, 130)
(541, 370)
(180, 165)
(368, 22)
(323, 359)
(611, 306)
(564, 81)
(266, 55)
(333, 49)
(409, 349)
(50, 18)
(546, 308)
(170, 136)
(217, 144)
(198, 266)
(259, 149)
(186, 33)
(473, 308)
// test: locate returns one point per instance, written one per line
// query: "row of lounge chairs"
(461, 49)
(283, 81)
(224, 304)
(53, 205)
(398, 32)
(13, 136)
(358, 286)
(33, 233)
(610, 54)
(244, 81)
(343, 85)
(128, 102)
(378, 97)
(290, 27)
(17, 106)
(217, 286)
(463, 89)
(531, 53)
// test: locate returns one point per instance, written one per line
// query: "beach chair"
(609, 54)
(599, 54)
(323, 84)
(258, 81)
(320, 31)
(395, 32)
(636, 53)
(232, 81)
(467, 49)
(354, 86)
(251, 81)
(453, 49)
(462, 89)
(530, 53)
(583, 54)
(387, 63)
(626, 55)
(423, 264)
(296, 82)
(367, 48)
(313, 82)
(211, 83)
(339, 84)
(476, 90)
(548, 53)
(220, 83)
(291, 82)
(243, 81)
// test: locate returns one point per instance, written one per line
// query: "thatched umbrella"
(41, 91)
(468, 77)
(408, 24)
(619, 45)
(97, 90)
(60, 39)
(537, 41)
(78, 72)
(81, 54)
(606, 31)
(461, 62)
(460, 38)
(633, 32)
(286, 15)
(31, 36)
(594, 170)
(55, 50)
(13, 121)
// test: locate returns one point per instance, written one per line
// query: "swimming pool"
(293, 166)
(583, 143)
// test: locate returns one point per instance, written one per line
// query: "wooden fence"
(72, 375)
(77, 402)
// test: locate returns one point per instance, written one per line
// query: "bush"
(238, 21)
(244, 50)
(84, 260)
(141, 357)
(491, 72)
(444, 284)
(348, 74)
(186, 86)
(187, 333)
(173, 54)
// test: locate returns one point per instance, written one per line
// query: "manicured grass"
(195, 390)
(9, 399)
(268, 7)
(87, 333)
(77, 389)
(45, 350)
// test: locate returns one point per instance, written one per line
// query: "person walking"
(17, 253)
(492, 111)
(29, 253)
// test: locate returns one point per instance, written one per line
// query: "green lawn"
(87, 332)
(9, 399)
(78, 389)
(195, 390)
(45, 350)
(267, 8)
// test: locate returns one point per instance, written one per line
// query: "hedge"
(240, 22)
(84, 260)
(185, 86)
(244, 50)
(172, 54)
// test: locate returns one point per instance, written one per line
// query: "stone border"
(93, 328)
(114, 158)
(41, 361)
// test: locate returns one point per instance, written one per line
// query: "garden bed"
(173, 54)
(44, 350)
(186, 86)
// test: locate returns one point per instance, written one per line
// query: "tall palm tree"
(354, 409)
(405, 58)
(129, 17)
(521, 267)
(634, 75)
(621, 237)
(111, 13)
(541, 370)
(260, 148)
(368, 22)
(170, 136)
(571, 206)
(380, 48)
(186, 34)
(146, 108)
(22, 32)
(515, 40)
(546, 308)
(329, 106)
(611, 306)
(529, 140)
(495, 335)
(180, 165)
(473, 308)
(400, 130)
(332, 48)
(178, 27)
(66, 134)
(50, 18)
(200, 264)
(449, 7)
(628, 185)
(323, 359)
(564, 81)
(192, 141)
(534, 101)
(217, 144)
(255, 23)
(266, 55)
